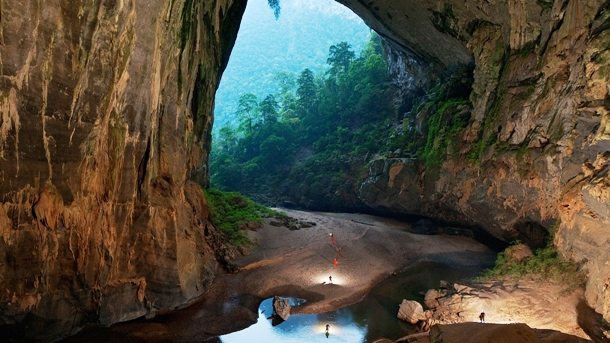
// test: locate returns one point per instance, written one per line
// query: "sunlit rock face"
(541, 109)
(105, 120)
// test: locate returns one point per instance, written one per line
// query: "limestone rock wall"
(105, 121)
(540, 114)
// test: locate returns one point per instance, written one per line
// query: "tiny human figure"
(339, 251)
(335, 262)
(327, 327)
(482, 317)
(332, 239)
(330, 279)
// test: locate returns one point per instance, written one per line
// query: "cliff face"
(533, 159)
(105, 120)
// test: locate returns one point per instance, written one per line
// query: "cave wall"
(105, 121)
(540, 114)
(105, 129)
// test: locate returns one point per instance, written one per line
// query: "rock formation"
(281, 307)
(105, 121)
(411, 311)
(533, 160)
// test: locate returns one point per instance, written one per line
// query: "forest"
(304, 131)
(316, 135)
(267, 46)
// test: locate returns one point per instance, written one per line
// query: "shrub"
(230, 211)
(545, 265)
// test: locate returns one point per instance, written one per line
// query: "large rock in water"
(281, 307)
(411, 311)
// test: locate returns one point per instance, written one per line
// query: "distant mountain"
(299, 39)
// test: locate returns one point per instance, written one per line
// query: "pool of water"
(366, 321)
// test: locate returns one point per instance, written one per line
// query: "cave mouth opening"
(290, 97)
(307, 107)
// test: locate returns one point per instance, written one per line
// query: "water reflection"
(300, 328)
(369, 320)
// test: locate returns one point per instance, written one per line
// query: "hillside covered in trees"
(306, 136)
(268, 49)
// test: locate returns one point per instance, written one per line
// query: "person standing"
(332, 239)
(335, 262)
(330, 279)
(482, 317)
(339, 251)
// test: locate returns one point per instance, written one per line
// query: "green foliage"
(266, 46)
(487, 136)
(442, 125)
(230, 211)
(340, 57)
(545, 265)
(333, 117)
(275, 6)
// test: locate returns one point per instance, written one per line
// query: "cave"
(105, 133)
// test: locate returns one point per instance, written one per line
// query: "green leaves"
(328, 119)
(275, 6)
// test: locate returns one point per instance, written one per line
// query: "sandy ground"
(372, 249)
(297, 263)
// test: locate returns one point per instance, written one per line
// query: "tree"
(269, 108)
(247, 112)
(339, 57)
(285, 80)
(307, 90)
(275, 6)
(227, 139)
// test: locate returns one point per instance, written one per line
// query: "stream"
(371, 319)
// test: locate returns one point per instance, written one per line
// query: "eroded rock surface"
(105, 120)
(533, 160)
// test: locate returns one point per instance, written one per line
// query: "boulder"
(281, 307)
(430, 298)
(411, 311)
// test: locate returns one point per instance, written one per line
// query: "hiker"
(330, 279)
(332, 239)
(339, 251)
(482, 317)
(327, 328)
(335, 262)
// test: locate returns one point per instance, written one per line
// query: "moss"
(442, 126)
(487, 136)
(545, 265)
